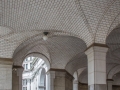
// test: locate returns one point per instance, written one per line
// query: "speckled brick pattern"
(73, 25)
(90, 20)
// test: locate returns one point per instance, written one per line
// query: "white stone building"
(34, 74)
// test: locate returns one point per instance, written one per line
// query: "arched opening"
(113, 57)
(34, 74)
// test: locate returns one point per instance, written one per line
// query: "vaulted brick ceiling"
(73, 25)
(90, 20)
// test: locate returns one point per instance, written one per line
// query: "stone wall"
(62, 80)
(115, 87)
(83, 86)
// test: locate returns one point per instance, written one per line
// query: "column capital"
(96, 48)
(75, 81)
(18, 69)
(6, 61)
(51, 73)
(110, 80)
(60, 72)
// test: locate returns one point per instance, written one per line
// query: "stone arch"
(39, 36)
(77, 62)
(112, 41)
(83, 77)
(32, 51)
(113, 71)
(75, 75)
(43, 57)
(108, 22)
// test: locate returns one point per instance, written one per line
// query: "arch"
(108, 21)
(38, 37)
(75, 75)
(112, 41)
(116, 79)
(113, 71)
(19, 55)
(83, 77)
(22, 54)
(79, 61)
(115, 24)
(39, 55)
(113, 37)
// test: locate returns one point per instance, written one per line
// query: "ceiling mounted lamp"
(45, 37)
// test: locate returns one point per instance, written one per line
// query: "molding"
(60, 70)
(109, 80)
(97, 44)
(83, 83)
(14, 66)
(116, 85)
(6, 61)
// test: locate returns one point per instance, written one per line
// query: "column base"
(97, 87)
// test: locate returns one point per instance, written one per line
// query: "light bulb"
(45, 38)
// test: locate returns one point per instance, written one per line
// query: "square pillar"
(50, 76)
(62, 80)
(17, 77)
(15, 80)
(5, 74)
(96, 55)
(83, 86)
(75, 84)
(109, 84)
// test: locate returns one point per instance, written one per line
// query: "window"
(26, 60)
(30, 65)
(24, 88)
(24, 81)
(26, 66)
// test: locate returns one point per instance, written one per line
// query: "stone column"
(83, 86)
(62, 80)
(50, 76)
(75, 84)
(5, 74)
(17, 78)
(109, 84)
(96, 55)
(20, 71)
